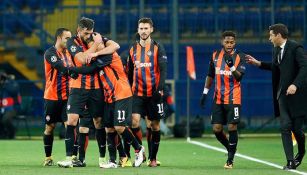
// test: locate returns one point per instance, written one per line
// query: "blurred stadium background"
(27, 28)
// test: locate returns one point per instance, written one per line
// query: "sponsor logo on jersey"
(138, 64)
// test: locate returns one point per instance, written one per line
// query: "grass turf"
(177, 157)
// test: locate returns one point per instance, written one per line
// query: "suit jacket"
(291, 70)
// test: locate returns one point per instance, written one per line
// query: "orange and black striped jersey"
(227, 88)
(144, 63)
(74, 46)
(57, 80)
(114, 80)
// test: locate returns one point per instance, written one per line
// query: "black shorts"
(55, 111)
(226, 114)
(86, 120)
(118, 113)
(146, 106)
(79, 98)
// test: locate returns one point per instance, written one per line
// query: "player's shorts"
(55, 111)
(146, 106)
(118, 113)
(79, 98)
(226, 114)
(86, 120)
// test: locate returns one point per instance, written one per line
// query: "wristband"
(206, 90)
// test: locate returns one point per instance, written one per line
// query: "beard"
(144, 37)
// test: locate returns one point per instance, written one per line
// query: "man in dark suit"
(289, 72)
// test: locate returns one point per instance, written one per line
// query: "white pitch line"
(242, 156)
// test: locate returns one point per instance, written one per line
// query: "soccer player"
(147, 65)
(118, 98)
(227, 68)
(85, 90)
(57, 62)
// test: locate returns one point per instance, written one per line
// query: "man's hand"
(251, 60)
(228, 60)
(291, 89)
(203, 100)
(89, 57)
(97, 37)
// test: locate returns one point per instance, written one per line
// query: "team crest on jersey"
(73, 48)
(53, 59)
(68, 107)
(149, 53)
(48, 118)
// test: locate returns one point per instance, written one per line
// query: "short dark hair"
(59, 32)
(228, 33)
(86, 23)
(146, 20)
(280, 28)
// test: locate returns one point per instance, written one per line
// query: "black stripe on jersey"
(152, 68)
(231, 83)
(115, 73)
(135, 70)
(223, 88)
(143, 71)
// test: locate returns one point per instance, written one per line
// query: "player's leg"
(122, 110)
(48, 143)
(75, 107)
(148, 136)
(155, 114)
(233, 118)
(96, 105)
(51, 115)
(123, 158)
(218, 120)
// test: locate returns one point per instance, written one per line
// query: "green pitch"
(177, 156)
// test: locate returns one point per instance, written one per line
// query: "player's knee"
(84, 130)
(232, 127)
(155, 125)
(217, 129)
(72, 119)
(49, 129)
(135, 123)
(97, 123)
(119, 129)
(110, 130)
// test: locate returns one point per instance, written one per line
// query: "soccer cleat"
(109, 164)
(67, 163)
(158, 163)
(122, 161)
(102, 161)
(229, 164)
(78, 163)
(153, 163)
(128, 163)
(48, 161)
(139, 157)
